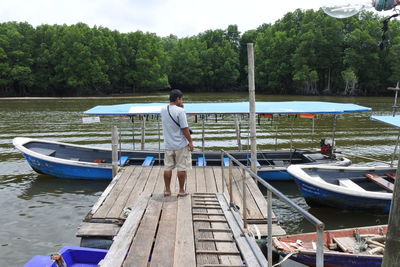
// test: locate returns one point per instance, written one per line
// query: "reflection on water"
(41, 214)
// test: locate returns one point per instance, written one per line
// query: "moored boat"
(350, 188)
(353, 247)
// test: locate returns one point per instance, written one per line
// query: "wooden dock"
(197, 230)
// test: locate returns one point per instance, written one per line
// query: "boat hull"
(68, 171)
(317, 197)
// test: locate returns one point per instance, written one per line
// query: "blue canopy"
(286, 107)
(394, 121)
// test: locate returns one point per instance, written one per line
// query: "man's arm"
(186, 133)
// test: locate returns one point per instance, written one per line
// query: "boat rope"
(285, 258)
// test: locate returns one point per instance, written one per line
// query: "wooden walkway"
(197, 230)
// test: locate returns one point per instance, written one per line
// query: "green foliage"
(305, 52)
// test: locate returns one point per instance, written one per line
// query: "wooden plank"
(200, 180)
(163, 253)
(97, 229)
(191, 181)
(114, 193)
(253, 212)
(244, 247)
(143, 241)
(117, 252)
(218, 252)
(107, 191)
(380, 181)
(142, 180)
(262, 230)
(159, 187)
(259, 198)
(218, 178)
(184, 242)
(391, 176)
(210, 180)
(346, 244)
(121, 196)
(152, 181)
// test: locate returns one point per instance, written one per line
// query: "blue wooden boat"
(70, 256)
(64, 160)
(350, 188)
(345, 247)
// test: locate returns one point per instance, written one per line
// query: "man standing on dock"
(178, 142)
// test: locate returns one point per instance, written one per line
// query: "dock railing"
(270, 190)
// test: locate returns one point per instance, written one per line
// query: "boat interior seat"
(380, 181)
(44, 151)
(350, 184)
(278, 162)
(226, 162)
(123, 160)
(148, 161)
(257, 163)
(201, 161)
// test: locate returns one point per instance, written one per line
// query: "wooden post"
(114, 150)
(392, 245)
(230, 181)
(244, 199)
(252, 109)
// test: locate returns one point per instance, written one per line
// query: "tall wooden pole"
(392, 245)
(252, 103)
(114, 150)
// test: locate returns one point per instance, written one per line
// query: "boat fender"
(58, 260)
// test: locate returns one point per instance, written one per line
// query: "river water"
(40, 214)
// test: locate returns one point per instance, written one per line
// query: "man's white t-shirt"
(173, 135)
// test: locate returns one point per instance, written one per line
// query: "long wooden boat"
(74, 161)
(350, 188)
(63, 160)
(353, 247)
(69, 256)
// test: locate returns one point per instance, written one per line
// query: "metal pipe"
(313, 220)
(230, 181)
(203, 142)
(237, 129)
(222, 171)
(133, 132)
(244, 199)
(269, 214)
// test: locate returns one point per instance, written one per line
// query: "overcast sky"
(163, 17)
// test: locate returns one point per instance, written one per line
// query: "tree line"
(305, 52)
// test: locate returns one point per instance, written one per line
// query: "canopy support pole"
(312, 132)
(159, 140)
(237, 129)
(142, 141)
(133, 132)
(203, 139)
(334, 133)
(291, 139)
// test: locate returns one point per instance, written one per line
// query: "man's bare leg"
(181, 179)
(167, 182)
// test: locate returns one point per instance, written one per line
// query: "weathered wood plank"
(200, 180)
(117, 252)
(218, 177)
(159, 187)
(210, 180)
(115, 192)
(163, 253)
(152, 181)
(107, 191)
(184, 242)
(121, 196)
(97, 229)
(191, 181)
(140, 184)
(140, 249)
